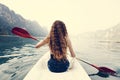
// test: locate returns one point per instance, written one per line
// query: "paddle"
(102, 70)
(23, 33)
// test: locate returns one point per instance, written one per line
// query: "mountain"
(112, 33)
(9, 19)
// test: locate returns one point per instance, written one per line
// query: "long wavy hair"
(58, 43)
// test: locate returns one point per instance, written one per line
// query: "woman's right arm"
(43, 42)
(70, 47)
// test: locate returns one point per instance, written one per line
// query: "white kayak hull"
(40, 71)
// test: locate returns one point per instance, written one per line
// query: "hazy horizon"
(79, 16)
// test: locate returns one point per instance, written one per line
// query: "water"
(18, 55)
(100, 53)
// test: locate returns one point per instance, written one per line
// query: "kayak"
(40, 71)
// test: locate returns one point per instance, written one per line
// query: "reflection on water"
(18, 55)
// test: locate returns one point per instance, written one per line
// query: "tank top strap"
(51, 55)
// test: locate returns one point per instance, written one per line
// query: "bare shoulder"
(47, 38)
(67, 38)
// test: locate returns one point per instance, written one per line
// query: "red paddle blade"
(107, 70)
(101, 69)
(22, 33)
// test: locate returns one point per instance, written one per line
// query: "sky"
(78, 15)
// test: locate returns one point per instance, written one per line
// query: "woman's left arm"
(41, 43)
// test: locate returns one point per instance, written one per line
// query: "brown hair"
(58, 43)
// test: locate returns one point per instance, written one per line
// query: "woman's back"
(58, 41)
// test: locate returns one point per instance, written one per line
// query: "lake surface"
(18, 55)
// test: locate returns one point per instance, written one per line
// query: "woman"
(58, 41)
